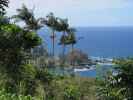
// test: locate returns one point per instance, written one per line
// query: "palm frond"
(27, 16)
(3, 5)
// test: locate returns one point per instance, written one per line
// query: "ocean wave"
(83, 69)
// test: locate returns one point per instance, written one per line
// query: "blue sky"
(82, 12)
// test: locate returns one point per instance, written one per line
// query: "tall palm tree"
(3, 4)
(52, 22)
(63, 42)
(71, 40)
(63, 28)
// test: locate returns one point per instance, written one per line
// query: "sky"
(82, 13)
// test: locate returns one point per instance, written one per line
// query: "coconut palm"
(52, 22)
(3, 4)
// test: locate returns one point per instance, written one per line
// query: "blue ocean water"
(105, 42)
(90, 73)
(99, 41)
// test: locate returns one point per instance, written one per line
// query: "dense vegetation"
(117, 85)
(20, 78)
(24, 62)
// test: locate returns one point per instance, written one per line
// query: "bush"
(71, 92)
(8, 96)
(118, 86)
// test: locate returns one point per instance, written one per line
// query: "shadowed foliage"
(3, 5)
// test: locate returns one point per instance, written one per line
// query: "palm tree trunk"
(63, 53)
(53, 47)
(72, 48)
(63, 50)
(53, 43)
(72, 62)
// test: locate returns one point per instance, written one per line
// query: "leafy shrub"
(118, 86)
(8, 96)
(71, 92)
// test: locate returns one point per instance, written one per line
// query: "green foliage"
(62, 25)
(43, 75)
(32, 40)
(14, 45)
(51, 21)
(118, 86)
(28, 71)
(4, 20)
(71, 93)
(108, 90)
(72, 88)
(8, 96)
(14, 36)
(22, 81)
(27, 16)
(3, 5)
(71, 38)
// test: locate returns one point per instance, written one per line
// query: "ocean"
(98, 41)
(107, 41)
(101, 42)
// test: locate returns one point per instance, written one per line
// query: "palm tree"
(27, 16)
(71, 39)
(52, 22)
(3, 4)
(63, 28)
